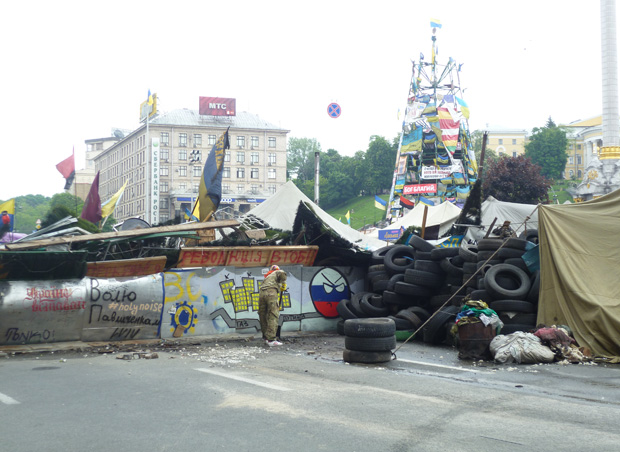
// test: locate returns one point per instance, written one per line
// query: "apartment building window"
(579, 174)
(212, 139)
(163, 203)
(163, 171)
(272, 158)
(195, 156)
(183, 186)
(501, 141)
(240, 173)
(254, 189)
(514, 141)
(240, 157)
(227, 156)
(195, 187)
(578, 160)
(165, 139)
(225, 188)
(514, 153)
(164, 154)
(241, 142)
(254, 158)
(571, 173)
(182, 139)
(254, 142)
(182, 154)
(271, 174)
(225, 172)
(272, 189)
(183, 171)
(570, 161)
(163, 187)
(240, 188)
(254, 173)
(579, 147)
(272, 142)
(197, 139)
(196, 170)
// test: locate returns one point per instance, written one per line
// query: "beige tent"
(442, 215)
(580, 265)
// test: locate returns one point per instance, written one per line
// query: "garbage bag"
(519, 347)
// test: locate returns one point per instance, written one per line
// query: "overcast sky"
(72, 71)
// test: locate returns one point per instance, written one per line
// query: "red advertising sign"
(419, 188)
(217, 106)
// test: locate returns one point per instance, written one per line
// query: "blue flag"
(425, 201)
(380, 203)
(210, 190)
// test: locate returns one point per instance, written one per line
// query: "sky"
(74, 70)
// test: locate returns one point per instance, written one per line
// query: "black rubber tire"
(470, 267)
(489, 244)
(441, 253)
(413, 290)
(422, 255)
(435, 332)
(520, 318)
(420, 244)
(376, 268)
(449, 268)
(398, 251)
(381, 276)
(437, 301)
(495, 288)
(393, 280)
(401, 324)
(481, 295)
(355, 356)
(355, 308)
(489, 262)
(375, 327)
(468, 252)
(509, 253)
(484, 255)
(514, 327)
(533, 294)
(428, 266)
(393, 298)
(414, 320)
(344, 309)
(515, 243)
(531, 235)
(378, 254)
(512, 306)
(519, 263)
(422, 278)
(370, 344)
(373, 308)
(340, 327)
(380, 286)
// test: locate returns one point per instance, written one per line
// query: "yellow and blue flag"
(210, 190)
(348, 217)
(425, 201)
(150, 98)
(435, 23)
(380, 203)
(464, 107)
(8, 218)
(108, 207)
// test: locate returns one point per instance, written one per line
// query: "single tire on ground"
(375, 327)
(355, 356)
(370, 344)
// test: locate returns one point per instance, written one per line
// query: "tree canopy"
(547, 149)
(515, 179)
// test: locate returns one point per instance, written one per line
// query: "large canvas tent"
(443, 215)
(579, 267)
(521, 216)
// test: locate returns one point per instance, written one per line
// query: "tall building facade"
(162, 163)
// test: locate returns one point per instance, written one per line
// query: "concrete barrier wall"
(179, 303)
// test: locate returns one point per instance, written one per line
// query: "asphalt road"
(239, 395)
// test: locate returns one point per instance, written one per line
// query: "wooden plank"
(247, 256)
(126, 267)
(133, 233)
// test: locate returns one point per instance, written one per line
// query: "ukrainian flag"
(380, 203)
(435, 23)
(348, 217)
(425, 201)
(210, 190)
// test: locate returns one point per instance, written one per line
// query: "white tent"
(519, 215)
(280, 210)
(444, 215)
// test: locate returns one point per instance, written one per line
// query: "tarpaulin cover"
(443, 215)
(579, 268)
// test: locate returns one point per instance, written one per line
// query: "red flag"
(67, 169)
(407, 204)
(92, 206)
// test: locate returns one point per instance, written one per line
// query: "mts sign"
(217, 106)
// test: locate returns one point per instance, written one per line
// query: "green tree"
(380, 158)
(515, 179)
(547, 149)
(300, 157)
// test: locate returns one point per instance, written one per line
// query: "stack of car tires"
(369, 340)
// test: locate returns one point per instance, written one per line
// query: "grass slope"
(362, 210)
